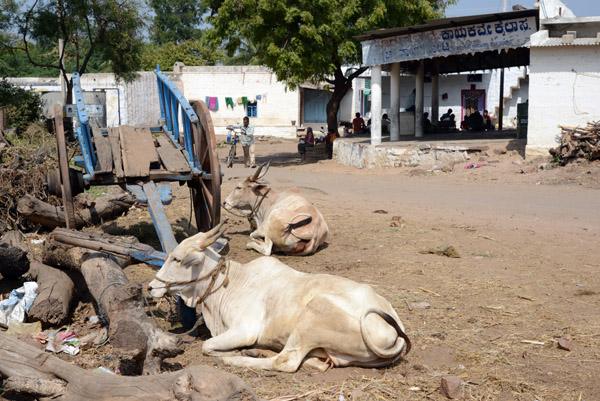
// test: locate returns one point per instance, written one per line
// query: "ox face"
(191, 259)
(246, 192)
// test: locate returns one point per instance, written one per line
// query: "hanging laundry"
(213, 103)
(252, 99)
(239, 100)
(245, 101)
(229, 102)
(207, 101)
(258, 97)
(264, 98)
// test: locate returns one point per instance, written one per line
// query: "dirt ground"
(528, 274)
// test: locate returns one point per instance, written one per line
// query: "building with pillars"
(547, 54)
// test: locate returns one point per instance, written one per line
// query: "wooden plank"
(104, 163)
(115, 145)
(171, 157)
(138, 151)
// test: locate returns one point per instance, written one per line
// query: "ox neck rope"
(259, 201)
(221, 267)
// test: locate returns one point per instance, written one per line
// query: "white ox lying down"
(286, 221)
(266, 304)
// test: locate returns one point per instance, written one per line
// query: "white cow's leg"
(288, 360)
(228, 341)
(264, 247)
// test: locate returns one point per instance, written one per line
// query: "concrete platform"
(432, 149)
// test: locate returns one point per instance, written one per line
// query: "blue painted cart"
(181, 148)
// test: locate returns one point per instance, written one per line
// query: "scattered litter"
(533, 342)
(15, 327)
(94, 319)
(380, 211)
(448, 251)
(566, 343)
(414, 389)
(478, 165)
(396, 218)
(102, 369)
(69, 349)
(37, 241)
(19, 302)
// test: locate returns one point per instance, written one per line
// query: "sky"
(581, 8)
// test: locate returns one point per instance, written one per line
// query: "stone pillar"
(419, 98)
(376, 105)
(395, 102)
(435, 99)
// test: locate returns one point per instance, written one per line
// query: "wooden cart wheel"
(206, 190)
(63, 168)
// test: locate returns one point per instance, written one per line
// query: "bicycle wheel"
(231, 156)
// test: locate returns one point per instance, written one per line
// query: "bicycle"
(234, 139)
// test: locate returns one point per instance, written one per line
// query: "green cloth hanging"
(229, 102)
(245, 101)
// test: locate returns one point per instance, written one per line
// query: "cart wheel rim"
(206, 190)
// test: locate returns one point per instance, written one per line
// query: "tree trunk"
(58, 253)
(13, 255)
(55, 288)
(56, 292)
(31, 371)
(131, 333)
(341, 86)
(86, 212)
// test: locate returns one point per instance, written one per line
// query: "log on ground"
(59, 253)
(86, 212)
(55, 288)
(13, 255)
(29, 370)
(120, 302)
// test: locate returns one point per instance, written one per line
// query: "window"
(252, 109)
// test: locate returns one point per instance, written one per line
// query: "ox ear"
(192, 259)
(258, 186)
(219, 245)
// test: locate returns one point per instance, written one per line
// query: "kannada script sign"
(445, 42)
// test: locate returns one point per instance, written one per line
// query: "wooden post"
(63, 163)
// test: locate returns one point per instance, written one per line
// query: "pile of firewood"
(578, 143)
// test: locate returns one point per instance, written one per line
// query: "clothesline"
(212, 102)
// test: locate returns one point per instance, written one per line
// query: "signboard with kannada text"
(450, 41)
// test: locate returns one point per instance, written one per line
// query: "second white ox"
(266, 304)
(286, 221)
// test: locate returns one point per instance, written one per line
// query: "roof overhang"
(497, 40)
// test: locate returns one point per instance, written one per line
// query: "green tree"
(176, 20)
(311, 40)
(105, 34)
(23, 106)
(190, 52)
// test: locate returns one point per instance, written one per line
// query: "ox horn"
(216, 228)
(257, 175)
(211, 240)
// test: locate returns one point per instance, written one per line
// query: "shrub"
(23, 106)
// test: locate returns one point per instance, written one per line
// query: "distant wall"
(564, 83)
(276, 110)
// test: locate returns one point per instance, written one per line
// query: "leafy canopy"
(104, 33)
(176, 21)
(190, 52)
(311, 39)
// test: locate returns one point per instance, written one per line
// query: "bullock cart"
(182, 148)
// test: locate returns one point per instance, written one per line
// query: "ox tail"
(301, 223)
(390, 353)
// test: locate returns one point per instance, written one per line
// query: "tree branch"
(26, 43)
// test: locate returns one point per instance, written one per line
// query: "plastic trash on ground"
(15, 327)
(19, 302)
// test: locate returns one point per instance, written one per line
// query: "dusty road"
(528, 274)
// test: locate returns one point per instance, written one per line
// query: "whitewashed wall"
(275, 113)
(564, 86)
